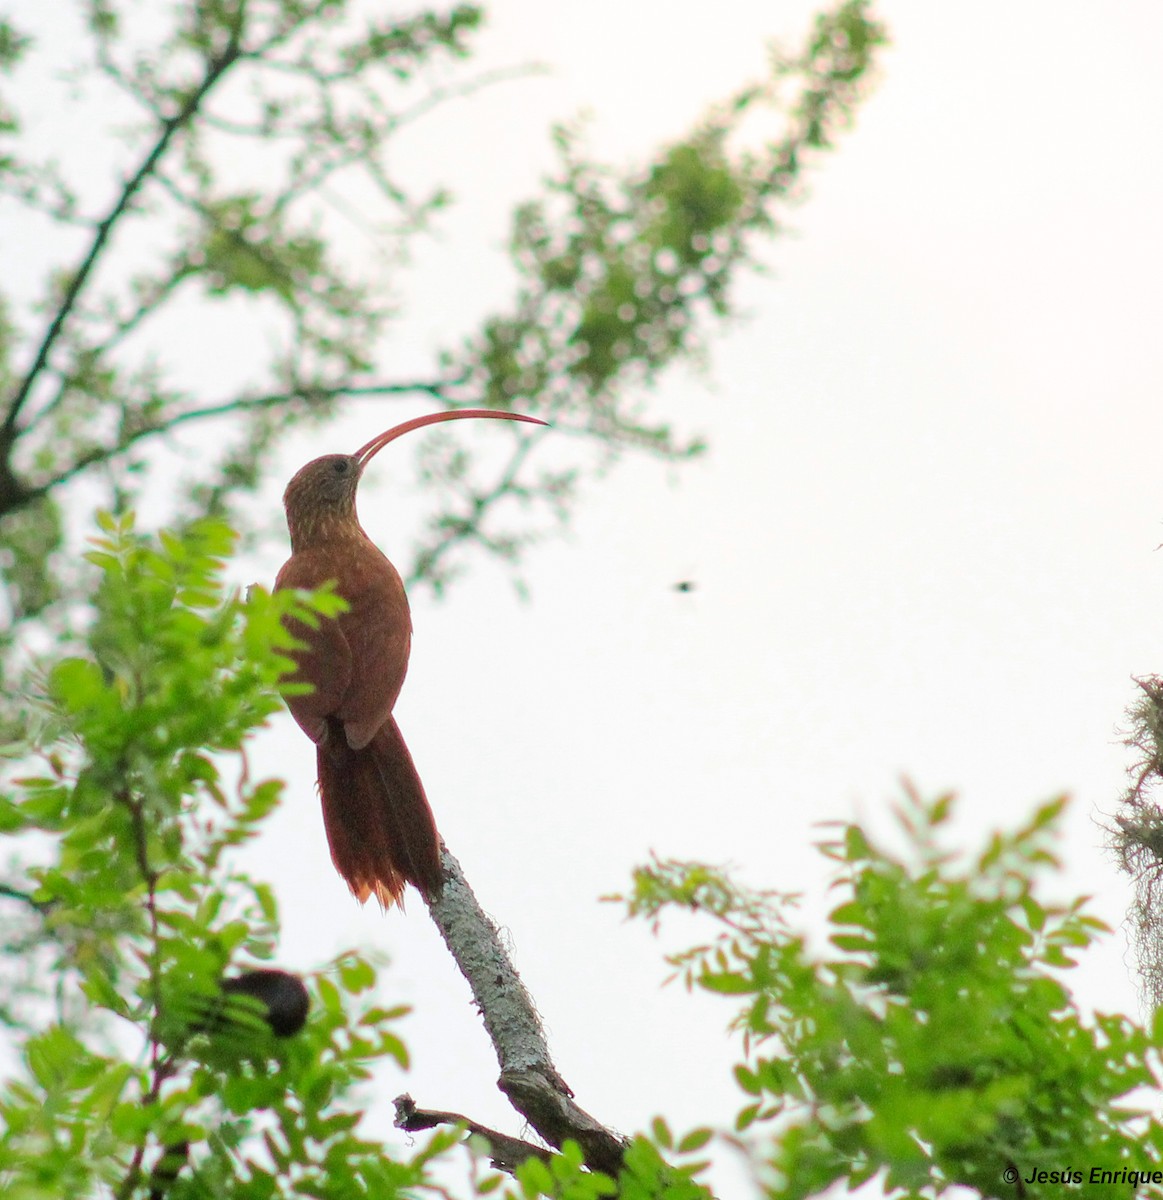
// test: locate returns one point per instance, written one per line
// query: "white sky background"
(923, 539)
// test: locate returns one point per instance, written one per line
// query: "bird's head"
(320, 499)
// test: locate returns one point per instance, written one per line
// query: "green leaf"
(356, 974)
(695, 1140)
(728, 983)
(77, 684)
(661, 1133)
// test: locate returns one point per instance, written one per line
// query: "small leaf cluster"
(141, 1073)
(655, 1167)
(938, 1046)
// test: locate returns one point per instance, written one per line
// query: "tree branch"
(432, 387)
(215, 69)
(17, 497)
(505, 1152)
(15, 893)
(528, 1077)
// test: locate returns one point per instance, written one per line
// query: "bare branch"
(505, 1152)
(528, 1077)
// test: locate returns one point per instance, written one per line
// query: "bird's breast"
(358, 677)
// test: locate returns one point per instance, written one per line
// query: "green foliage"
(645, 1175)
(137, 1073)
(254, 135)
(29, 559)
(142, 1073)
(621, 276)
(939, 1046)
(933, 1046)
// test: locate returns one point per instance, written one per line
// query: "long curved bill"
(367, 452)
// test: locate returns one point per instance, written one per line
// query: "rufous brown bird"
(379, 824)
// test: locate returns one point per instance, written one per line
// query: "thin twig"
(469, 526)
(161, 1067)
(466, 88)
(15, 893)
(103, 454)
(432, 387)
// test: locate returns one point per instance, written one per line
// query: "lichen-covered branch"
(1135, 835)
(528, 1078)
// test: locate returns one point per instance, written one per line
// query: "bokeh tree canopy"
(238, 144)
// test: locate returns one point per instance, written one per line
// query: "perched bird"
(379, 824)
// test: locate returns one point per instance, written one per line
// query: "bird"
(379, 825)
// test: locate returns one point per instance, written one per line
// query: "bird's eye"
(340, 465)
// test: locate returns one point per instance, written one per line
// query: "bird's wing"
(325, 660)
(378, 627)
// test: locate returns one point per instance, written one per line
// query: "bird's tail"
(379, 825)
